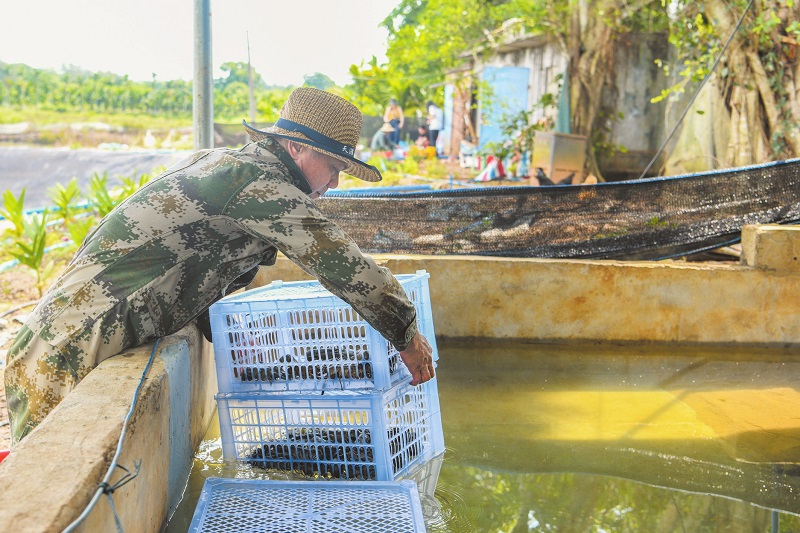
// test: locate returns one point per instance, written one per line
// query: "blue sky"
(288, 38)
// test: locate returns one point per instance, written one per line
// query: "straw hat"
(387, 128)
(326, 123)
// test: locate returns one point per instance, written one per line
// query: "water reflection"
(600, 438)
(540, 437)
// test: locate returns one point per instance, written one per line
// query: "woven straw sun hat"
(326, 123)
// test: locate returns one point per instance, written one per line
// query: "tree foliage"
(318, 81)
(758, 77)
(238, 72)
(429, 38)
(77, 90)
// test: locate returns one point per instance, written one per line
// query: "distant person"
(380, 141)
(422, 141)
(435, 123)
(197, 232)
(394, 116)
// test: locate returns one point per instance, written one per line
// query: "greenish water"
(601, 438)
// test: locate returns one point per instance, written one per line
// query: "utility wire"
(105, 487)
(697, 92)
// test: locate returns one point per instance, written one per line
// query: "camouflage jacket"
(168, 252)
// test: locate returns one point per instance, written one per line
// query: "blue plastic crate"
(426, 477)
(358, 435)
(245, 506)
(299, 336)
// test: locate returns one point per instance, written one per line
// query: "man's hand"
(418, 358)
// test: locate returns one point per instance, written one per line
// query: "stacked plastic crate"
(238, 505)
(308, 387)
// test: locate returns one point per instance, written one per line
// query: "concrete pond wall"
(48, 479)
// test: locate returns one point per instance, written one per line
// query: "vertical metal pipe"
(203, 86)
(250, 84)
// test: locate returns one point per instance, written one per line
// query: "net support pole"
(203, 87)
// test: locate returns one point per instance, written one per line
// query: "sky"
(288, 38)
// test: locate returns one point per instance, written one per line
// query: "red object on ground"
(4, 454)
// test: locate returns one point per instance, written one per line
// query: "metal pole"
(250, 83)
(203, 87)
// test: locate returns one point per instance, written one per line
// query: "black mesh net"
(654, 218)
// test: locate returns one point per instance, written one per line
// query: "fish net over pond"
(655, 218)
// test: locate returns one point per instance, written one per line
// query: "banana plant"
(63, 198)
(78, 229)
(13, 210)
(130, 185)
(99, 196)
(30, 249)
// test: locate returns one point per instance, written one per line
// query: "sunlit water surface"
(600, 438)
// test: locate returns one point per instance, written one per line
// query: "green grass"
(138, 121)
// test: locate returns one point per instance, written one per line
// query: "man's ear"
(294, 149)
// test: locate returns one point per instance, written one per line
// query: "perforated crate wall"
(426, 476)
(360, 435)
(242, 505)
(299, 336)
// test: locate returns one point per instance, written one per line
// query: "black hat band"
(332, 145)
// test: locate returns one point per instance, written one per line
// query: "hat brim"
(355, 167)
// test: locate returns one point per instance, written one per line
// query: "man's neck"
(283, 156)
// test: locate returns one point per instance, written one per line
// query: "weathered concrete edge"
(556, 300)
(54, 473)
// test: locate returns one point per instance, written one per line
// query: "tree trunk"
(590, 50)
(752, 96)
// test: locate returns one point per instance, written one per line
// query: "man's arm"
(418, 358)
(292, 223)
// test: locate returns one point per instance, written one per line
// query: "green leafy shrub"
(64, 198)
(14, 211)
(99, 196)
(79, 228)
(30, 249)
(130, 184)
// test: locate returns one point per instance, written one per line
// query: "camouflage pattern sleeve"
(321, 248)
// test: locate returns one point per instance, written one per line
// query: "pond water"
(600, 438)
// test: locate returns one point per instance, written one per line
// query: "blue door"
(504, 93)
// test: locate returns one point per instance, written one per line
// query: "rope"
(104, 486)
(697, 92)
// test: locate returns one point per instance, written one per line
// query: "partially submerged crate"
(299, 336)
(426, 476)
(358, 435)
(239, 505)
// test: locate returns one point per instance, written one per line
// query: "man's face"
(322, 171)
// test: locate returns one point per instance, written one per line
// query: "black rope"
(697, 92)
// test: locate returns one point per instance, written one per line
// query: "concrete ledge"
(772, 247)
(555, 300)
(53, 474)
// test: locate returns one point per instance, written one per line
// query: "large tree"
(757, 79)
